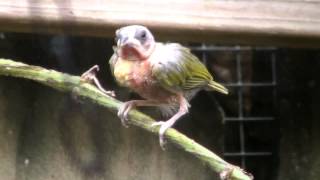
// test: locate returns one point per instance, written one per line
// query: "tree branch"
(68, 83)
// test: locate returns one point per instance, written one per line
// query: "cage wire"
(247, 128)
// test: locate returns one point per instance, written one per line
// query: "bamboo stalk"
(73, 84)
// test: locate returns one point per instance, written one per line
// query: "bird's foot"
(164, 125)
(124, 111)
(90, 74)
(226, 173)
(90, 77)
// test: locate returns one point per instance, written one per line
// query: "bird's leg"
(90, 76)
(183, 109)
(127, 106)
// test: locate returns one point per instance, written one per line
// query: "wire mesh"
(240, 119)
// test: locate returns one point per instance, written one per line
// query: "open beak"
(128, 42)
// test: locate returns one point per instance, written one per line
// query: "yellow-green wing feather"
(177, 69)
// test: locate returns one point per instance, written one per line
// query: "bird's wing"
(177, 69)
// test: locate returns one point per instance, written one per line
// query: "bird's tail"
(217, 87)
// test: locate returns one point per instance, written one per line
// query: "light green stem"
(68, 83)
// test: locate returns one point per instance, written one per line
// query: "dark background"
(269, 124)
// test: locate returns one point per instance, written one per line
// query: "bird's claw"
(123, 117)
(90, 77)
(226, 173)
(164, 125)
(123, 113)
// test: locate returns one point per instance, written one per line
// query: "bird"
(165, 75)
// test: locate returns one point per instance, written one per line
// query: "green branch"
(68, 83)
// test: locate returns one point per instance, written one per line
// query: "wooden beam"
(282, 23)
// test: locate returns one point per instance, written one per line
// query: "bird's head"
(134, 42)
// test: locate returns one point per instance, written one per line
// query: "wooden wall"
(283, 23)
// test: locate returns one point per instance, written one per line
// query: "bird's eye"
(143, 35)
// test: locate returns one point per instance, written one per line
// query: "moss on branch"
(68, 83)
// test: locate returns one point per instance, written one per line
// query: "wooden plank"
(282, 23)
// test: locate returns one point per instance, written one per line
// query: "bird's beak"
(128, 42)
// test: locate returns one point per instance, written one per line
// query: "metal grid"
(239, 85)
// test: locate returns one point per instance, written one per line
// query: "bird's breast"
(137, 75)
(132, 74)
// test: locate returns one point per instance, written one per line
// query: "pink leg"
(183, 109)
(127, 106)
(90, 76)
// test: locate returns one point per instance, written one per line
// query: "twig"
(68, 83)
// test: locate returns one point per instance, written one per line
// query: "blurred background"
(269, 124)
